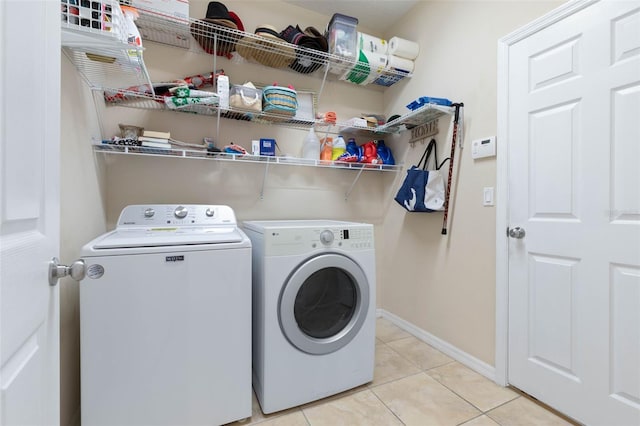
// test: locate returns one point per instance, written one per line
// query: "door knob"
(517, 232)
(56, 271)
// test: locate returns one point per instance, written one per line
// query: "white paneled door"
(29, 211)
(574, 190)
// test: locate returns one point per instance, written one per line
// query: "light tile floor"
(415, 384)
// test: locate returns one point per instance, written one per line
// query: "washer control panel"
(172, 215)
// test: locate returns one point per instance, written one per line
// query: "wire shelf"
(107, 63)
(249, 159)
(94, 39)
(424, 114)
(105, 58)
(206, 37)
(153, 102)
(106, 67)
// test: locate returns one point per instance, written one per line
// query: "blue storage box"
(268, 147)
(423, 100)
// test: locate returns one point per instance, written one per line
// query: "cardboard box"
(268, 147)
(163, 21)
(177, 9)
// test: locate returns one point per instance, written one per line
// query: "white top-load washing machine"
(165, 319)
(314, 290)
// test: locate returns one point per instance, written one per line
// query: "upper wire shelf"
(107, 62)
(203, 37)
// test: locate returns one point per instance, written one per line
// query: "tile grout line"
(305, 417)
(424, 370)
(387, 407)
(472, 419)
(394, 380)
(466, 400)
(411, 362)
(498, 406)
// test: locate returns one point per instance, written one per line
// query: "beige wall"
(444, 285)
(82, 217)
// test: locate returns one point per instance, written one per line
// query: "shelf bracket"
(350, 190)
(264, 180)
(324, 80)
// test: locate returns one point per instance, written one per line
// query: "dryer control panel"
(293, 241)
(162, 215)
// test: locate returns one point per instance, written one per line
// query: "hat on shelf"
(309, 39)
(236, 20)
(267, 47)
(218, 24)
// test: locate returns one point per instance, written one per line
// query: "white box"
(356, 122)
(178, 9)
(223, 91)
(163, 21)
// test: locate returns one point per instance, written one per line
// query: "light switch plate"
(487, 196)
(485, 147)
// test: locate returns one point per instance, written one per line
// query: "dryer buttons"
(326, 237)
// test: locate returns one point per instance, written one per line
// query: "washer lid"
(168, 236)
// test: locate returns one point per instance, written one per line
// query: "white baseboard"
(448, 349)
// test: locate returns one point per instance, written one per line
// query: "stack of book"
(153, 139)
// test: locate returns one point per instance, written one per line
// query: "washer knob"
(326, 237)
(210, 212)
(149, 212)
(180, 212)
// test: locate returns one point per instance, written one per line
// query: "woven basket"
(280, 101)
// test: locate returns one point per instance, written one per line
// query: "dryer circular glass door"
(324, 303)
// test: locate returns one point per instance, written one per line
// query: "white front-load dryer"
(165, 319)
(314, 290)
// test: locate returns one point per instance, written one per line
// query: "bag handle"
(432, 146)
(248, 101)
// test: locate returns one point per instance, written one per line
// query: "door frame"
(502, 177)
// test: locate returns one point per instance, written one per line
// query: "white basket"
(96, 17)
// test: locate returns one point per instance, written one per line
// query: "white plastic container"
(311, 147)
(339, 148)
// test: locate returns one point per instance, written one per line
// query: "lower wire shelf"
(238, 158)
(248, 159)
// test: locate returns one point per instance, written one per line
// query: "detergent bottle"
(311, 147)
(327, 149)
(339, 147)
